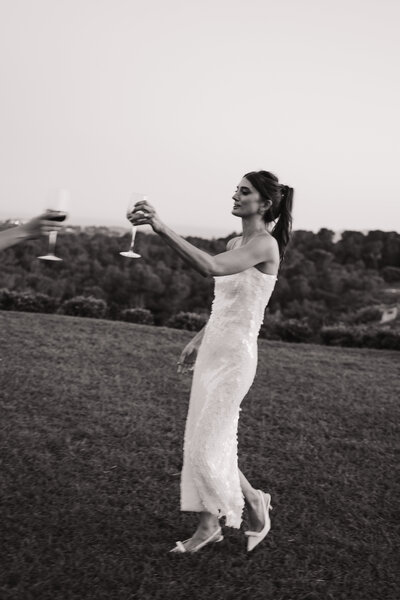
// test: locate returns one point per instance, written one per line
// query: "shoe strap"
(204, 542)
(268, 505)
(181, 547)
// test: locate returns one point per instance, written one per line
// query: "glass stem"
(133, 237)
(52, 241)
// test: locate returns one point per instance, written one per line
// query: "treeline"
(322, 283)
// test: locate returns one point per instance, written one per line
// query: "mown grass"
(91, 435)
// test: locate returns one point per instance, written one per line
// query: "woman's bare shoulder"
(231, 241)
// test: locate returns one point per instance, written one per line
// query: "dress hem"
(230, 521)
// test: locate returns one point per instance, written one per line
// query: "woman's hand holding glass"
(188, 357)
(140, 212)
(40, 226)
(144, 213)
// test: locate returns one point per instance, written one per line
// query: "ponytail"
(283, 227)
(280, 209)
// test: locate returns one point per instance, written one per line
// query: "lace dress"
(223, 373)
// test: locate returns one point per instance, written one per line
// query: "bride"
(223, 356)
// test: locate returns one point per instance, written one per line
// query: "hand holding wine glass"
(55, 213)
(144, 213)
(134, 198)
(30, 230)
(140, 212)
(40, 225)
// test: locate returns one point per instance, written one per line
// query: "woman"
(226, 349)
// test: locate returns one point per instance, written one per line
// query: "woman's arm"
(30, 230)
(200, 260)
(239, 259)
(199, 336)
(225, 263)
(12, 236)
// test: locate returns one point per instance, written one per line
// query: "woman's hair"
(269, 188)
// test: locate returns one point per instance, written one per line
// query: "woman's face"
(246, 199)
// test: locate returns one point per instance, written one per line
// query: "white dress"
(223, 373)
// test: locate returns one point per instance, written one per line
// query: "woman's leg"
(209, 523)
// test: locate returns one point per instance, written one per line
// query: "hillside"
(91, 433)
(322, 281)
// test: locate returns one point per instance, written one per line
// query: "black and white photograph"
(199, 300)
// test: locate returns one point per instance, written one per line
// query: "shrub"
(84, 306)
(294, 330)
(367, 337)
(268, 331)
(27, 302)
(391, 274)
(340, 335)
(187, 320)
(384, 339)
(137, 315)
(6, 299)
(368, 314)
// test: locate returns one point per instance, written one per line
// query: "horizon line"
(212, 231)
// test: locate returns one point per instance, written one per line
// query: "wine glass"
(134, 198)
(56, 210)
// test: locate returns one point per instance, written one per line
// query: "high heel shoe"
(214, 537)
(255, 537)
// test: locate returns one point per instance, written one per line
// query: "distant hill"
(323, 280)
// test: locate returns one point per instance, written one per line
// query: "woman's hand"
(40, 226)
(144, 213)
(188, 357)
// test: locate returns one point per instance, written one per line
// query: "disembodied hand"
(187, 358)
(41, 226)
(32, 229)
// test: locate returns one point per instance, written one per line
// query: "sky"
(178, 99)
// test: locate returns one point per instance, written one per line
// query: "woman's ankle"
(208, 526)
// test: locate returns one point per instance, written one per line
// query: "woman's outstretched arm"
(199, 259)
(30, 230)
(225, 263)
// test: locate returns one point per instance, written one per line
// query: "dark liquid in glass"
(56, 216)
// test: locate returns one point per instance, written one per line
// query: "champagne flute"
(134, 198)
(56, 210)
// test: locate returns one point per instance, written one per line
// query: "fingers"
(50, 225)
(141, 215)
(144, 207)
(46, 230)
(45, 227)
(41, 226)
(185, 367)
(144, 203)
(136, 215)
(140, 220)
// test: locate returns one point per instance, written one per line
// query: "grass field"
(92, 420)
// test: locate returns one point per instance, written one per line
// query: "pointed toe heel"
(214, 537)
(255, 537)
